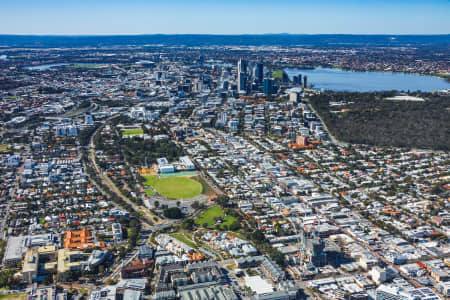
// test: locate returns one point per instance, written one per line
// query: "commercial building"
(187, 163)
(164, 166)
(268, 88)
(30, 266)
(242, 75)
(390, 292)
(210, 291)
(17, 246)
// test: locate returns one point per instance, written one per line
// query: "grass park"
(136, 131)
(209, 217)
(173, 187)
(185, 238)
(18, 296)
(5, 148)
(277, 74)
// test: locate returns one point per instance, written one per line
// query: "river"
(53, 66)
(341, 80)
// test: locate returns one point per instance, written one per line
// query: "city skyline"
(50, 17)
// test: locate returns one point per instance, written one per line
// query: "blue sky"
(224, 17)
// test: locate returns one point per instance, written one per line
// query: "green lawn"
(181, 237)
(174, 187)
(5, 148)
(150, 180)
(277, 74)
(149, 191)
(132, 131)
(207, 217)
(228, 220)
(19, 296)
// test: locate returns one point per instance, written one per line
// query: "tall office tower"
(259, 73)
(297, 79)
(242, 75)
(285, 77)
(305, 81)
(268, 86)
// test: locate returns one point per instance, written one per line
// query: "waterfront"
(341, 80)
(53, 66)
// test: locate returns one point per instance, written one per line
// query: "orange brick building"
(79, 239)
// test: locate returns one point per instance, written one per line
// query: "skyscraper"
(242, 75)
(259, 73)
(268, 86)
(285, 77)
(299, 80)
(305, 81)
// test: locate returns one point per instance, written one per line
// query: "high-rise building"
(242, 75)
(305, 81)
(297, 79)
(259, 73)
(268, 86)
(284, 77)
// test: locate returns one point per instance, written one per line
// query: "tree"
(277, 256)
(222, 200)
(173, 213)
(235, 226)
(188, 224)
(258, 236)
(6, 278)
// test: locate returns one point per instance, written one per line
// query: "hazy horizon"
(221, 34)
(233, 17)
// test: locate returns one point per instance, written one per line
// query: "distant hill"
(332, 40)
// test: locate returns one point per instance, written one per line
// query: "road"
(332, 137)
(12, 196)
(149, 218)
(123, 262)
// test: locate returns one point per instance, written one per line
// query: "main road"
(149, 220)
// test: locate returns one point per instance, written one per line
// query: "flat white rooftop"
(258, 285)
